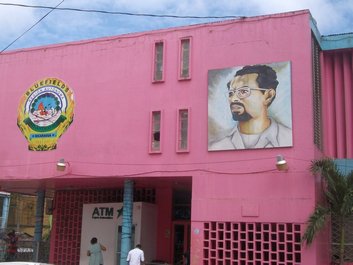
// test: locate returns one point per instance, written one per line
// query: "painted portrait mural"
(249, 107)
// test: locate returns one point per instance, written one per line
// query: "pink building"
(153, 108)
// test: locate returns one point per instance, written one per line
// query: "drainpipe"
(5, 210)
(39, 224)
(127, 220)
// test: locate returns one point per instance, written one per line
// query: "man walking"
(136, 256)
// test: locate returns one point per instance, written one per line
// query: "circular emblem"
(45, 112)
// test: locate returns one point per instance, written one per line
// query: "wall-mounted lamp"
(61, 165)
(281, 163)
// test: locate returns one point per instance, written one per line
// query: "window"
(158, 62)
(183, 130)
(184, 72)
(155, 146)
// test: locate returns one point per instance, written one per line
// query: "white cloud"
(14, 20)
(332, 16)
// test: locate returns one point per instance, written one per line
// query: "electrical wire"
(183, 171)
(52, 9)
(150, 164)
(150, 172)
(118, 12)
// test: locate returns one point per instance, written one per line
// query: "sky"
(23, 27)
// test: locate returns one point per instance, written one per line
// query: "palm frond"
(338, 187)
(337, 201)
(322, 166)
(316, 222)
(349, 178)
(347, 205)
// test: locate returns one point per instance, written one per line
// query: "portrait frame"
(220, 121)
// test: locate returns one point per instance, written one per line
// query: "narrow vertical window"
(158, 61)
(183, 130)
(185, 59)
(317, 93)
(156, 132)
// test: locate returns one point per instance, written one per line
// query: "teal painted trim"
(5, 211)
(315, 30)
(126, 232)
(38, 228)
(345, 166)
(337, 41)
(331, 42)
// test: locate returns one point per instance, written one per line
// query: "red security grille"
(68, 218)
(227, 243)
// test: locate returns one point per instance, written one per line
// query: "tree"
(337, 202)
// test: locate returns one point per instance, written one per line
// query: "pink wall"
(337, 115)
(114, 95)
(111, 79)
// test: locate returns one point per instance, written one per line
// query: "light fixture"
(281, 163)
(61, 165)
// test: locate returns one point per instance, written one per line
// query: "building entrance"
(181, 224)
(181, 240)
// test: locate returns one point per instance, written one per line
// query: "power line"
(52, 9)
(118, 12)
(102, 12)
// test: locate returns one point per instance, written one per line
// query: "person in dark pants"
(11, 249)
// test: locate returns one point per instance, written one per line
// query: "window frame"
(179, 132)
(152, 132)
(155, 62)
(181, 59)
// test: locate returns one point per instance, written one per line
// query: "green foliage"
(316, 222)
(337, 200)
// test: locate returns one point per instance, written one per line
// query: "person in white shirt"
(136, 256)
